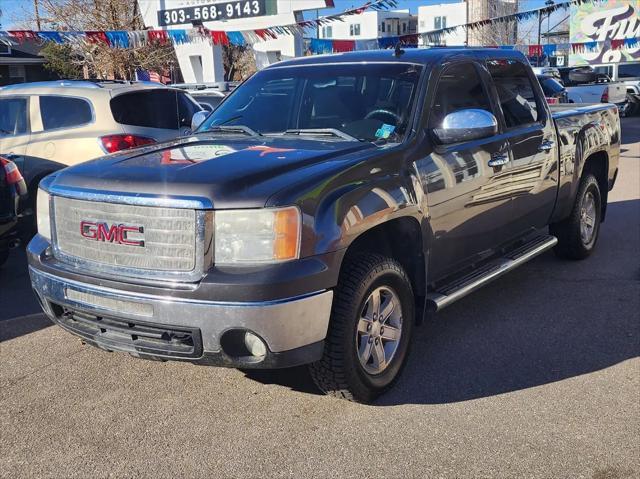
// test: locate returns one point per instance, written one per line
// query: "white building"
(371, 24)
(435, 17)
(202, 62)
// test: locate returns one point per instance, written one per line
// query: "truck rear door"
(531, 134)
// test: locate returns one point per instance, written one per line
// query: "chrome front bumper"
(294, 325)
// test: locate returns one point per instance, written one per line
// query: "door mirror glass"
(466, 125)
(198, 118)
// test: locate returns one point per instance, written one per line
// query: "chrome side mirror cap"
(466, 125)
(198, 119)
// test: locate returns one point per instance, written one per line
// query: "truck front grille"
(157, 238)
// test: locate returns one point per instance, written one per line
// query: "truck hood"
(229, 171)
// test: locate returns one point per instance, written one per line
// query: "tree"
(99, 60)
(239, 62)
(59, 59)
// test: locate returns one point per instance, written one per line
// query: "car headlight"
(257, 236)
(43, 214)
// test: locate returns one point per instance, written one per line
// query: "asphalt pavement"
(536, 375)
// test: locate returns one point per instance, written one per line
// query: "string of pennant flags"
(138, 38)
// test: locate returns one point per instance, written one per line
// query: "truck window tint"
(64, 112)
(13, 116)
(356, 99)
(629, 70)
(515, 92)
(459, 88)
(167, 109)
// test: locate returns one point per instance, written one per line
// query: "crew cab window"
(64, 112)
(166, 109)
(13, 116)
(515, 92)
(459, 88)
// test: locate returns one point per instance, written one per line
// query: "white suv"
(68, 122)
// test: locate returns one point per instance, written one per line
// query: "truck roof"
(410, 55)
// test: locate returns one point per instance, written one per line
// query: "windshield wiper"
(230, 129)
(321, 132)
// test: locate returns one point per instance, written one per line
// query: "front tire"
(372, 321)
(578, 234)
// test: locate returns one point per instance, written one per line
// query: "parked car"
(553, 90)
(388, 186)
(208, 95)
(12, 190)
(629, 74)
(46, 126)
(584, 85)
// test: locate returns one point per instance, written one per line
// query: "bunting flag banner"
(436, 36)
(116, 39)
(140, 38)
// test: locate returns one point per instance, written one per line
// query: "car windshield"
(365, 102)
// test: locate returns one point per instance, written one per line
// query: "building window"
(354, 30)
(327, 32)
(383, 27)
(422, 24)
(439, 22)
(404, 28)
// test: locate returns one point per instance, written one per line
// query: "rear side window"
(13, 116)
(459, 88)
(629, 70)
(64, 112)
(515, 92)
(166, 109)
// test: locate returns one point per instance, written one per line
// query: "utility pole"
(37, 13)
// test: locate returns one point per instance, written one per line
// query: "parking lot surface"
(536, 375)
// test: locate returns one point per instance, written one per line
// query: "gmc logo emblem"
(111, 234)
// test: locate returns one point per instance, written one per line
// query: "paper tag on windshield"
(385, 131)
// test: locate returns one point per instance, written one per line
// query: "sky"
(13, 10)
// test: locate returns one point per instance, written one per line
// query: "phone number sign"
(212, 12)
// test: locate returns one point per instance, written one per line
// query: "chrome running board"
(452, 292)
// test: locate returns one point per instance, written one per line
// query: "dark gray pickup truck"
(325, 208)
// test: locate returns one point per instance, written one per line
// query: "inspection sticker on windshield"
(385, 131)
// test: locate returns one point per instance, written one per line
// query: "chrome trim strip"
(284, 324)
(135, 199)
(441, 301)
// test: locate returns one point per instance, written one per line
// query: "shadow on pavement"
(20, 312)
(547, 321)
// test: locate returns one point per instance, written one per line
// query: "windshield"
(367, 102)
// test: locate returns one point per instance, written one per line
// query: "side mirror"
(198, 118)
(466, 125)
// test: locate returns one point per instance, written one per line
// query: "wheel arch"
(401, 239)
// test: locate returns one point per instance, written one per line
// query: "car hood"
(228, 170)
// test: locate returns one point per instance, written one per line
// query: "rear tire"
(578, 234)
(361, 360)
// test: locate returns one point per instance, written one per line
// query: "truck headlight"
(269, 235)
(43, 214)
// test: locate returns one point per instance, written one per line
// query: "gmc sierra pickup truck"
(321, 211)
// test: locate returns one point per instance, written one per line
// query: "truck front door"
(467, 188)
(532, 139)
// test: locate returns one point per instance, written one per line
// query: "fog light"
(255, 345)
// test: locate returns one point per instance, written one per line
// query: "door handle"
(499, 159)
(546, 146)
